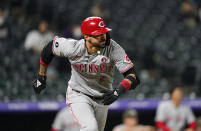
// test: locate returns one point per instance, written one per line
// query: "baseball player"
(92, 59)
(64, 121)
(131, 123)
(172, 115)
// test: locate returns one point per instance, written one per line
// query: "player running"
(92, 60)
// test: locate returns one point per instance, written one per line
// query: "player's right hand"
(111, 96)
(39, 84)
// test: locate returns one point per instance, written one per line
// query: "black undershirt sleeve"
(47, 54)
(130, 71)
(134, 82)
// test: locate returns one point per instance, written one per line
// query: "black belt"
(92, 97)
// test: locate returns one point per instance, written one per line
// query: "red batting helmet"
(94, 26)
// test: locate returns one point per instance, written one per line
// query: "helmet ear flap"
(107, 39)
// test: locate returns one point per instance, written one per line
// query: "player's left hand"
(39, 84)
(110, 96)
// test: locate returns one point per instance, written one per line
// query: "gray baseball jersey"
(92, 74)
(64, 121)
(175, 118)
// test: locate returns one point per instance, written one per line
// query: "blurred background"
(161, 37)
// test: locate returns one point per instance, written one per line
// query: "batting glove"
(39, 84)
(110, 96)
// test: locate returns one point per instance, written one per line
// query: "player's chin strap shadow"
(107, 39)
(104, 91)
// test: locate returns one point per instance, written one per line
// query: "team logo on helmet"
(101, 24)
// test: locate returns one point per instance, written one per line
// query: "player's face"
(43, 26)
(130, 121)
(97, 41)
(177, 95)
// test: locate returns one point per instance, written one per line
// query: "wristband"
(126, 85)
(42, 63)
(134, 82)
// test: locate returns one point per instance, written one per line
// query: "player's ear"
(86, 37)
